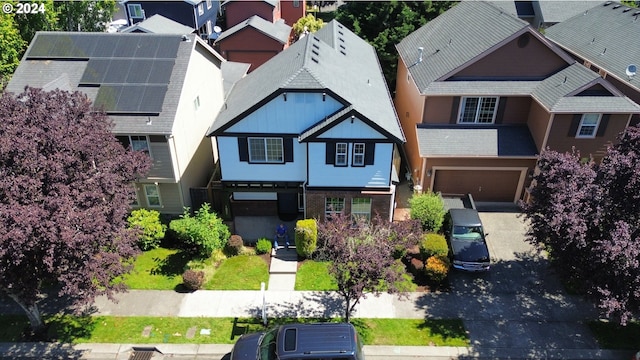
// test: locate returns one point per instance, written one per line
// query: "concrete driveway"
(520, 303)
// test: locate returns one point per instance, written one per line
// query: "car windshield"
(267, 349)
(470, 233)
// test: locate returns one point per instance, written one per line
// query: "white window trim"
(595, 128)
(196, 103)
(131, 13)
(345, 154)
(355, 214)
(200, 9)
(208, 4)
(136, 201)
(147, 139)
(146, 196)
(477, 110)
(334, 211)
(355, 162)
(266, 150)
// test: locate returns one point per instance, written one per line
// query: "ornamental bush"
(201, 234)
(433, 245)
(437, 268)
(235, 245)
(263, 246)
(428, 208)
(152, 231)
(193, 279)
(306, 237)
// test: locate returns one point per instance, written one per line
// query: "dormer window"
(135, 11)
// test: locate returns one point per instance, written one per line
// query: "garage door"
(483, 185)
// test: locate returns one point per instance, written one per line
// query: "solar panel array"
(132, 70)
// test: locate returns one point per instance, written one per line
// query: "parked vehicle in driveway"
(466, 239)
(330, 341)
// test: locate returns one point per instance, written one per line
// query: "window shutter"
(575, 122)
(602, 128)
(287, 143)
(454, 110)
(369, 153)
(243, 149)
(502, 104)
(331, 153)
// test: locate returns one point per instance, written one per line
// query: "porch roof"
(478, 140)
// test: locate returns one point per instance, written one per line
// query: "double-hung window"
(208, 4)
(135, 11)
(341, 154)
(478, 110)
(361, 208)
(200, 9)
(333, 206)
(136, 142)
(266, 150)
(588, 126)
(358, 154)
(152, 193)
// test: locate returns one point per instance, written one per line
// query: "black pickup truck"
(465, 234)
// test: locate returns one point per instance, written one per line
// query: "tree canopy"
(587, 216)
(64, 199)
(384, 24)
(362, 255)
(11, 48)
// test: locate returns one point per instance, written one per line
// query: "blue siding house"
(311, 132)
(198, 14)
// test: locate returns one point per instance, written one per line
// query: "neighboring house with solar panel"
(160, 91)
(311, 132)
(480, 94)
(606, 39)
(198, 14)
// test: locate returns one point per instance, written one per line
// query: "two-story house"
(159, 90)
(604, 39)
(198, 14)
(480, 94)
(312, 131)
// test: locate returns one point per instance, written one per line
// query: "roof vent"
(420, 52)
(616, 6)
(631, 70)
(626, 10)
(636, 13)
(607, 3)
(186, 38)
(603, 51)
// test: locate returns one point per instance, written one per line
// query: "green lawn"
(111, 329)
(242, 272)
(157, 269)
(313, 275)
(612, 336)
(161, 269)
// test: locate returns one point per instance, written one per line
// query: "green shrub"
(263, 246)
(235, 245)
(428, 208)
(437, 268)
(306, 237)
(193, 279)
(202, 233)
(152, 230)
(433, 245)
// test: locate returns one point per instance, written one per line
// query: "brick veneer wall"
(315, 200)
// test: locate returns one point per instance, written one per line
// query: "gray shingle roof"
(278, 30)
(159, 24)
(454, 38)
(67, 64)
(333, 59)
(606, 36)
(475, 141)
(553, 11)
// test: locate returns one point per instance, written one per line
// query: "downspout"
(177, 172)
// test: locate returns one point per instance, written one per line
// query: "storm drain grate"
(143, 353)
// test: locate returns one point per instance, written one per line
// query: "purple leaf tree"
(362, 256)
(588, 217)
(64, 198)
